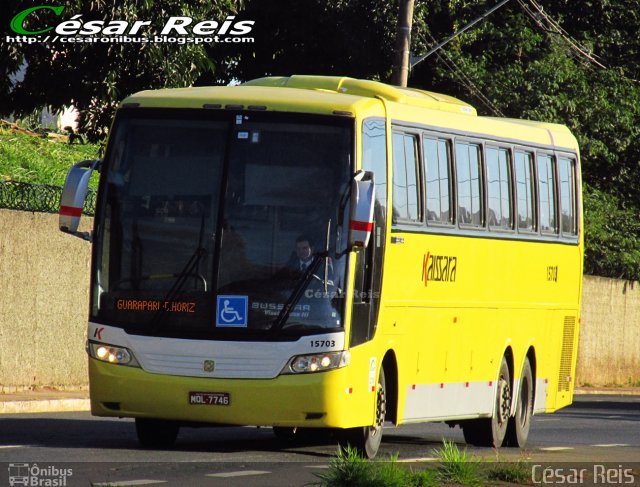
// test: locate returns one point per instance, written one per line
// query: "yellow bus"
(313, 252)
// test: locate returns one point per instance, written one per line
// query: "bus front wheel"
(492, 431)
(156, 433)
(366, 440)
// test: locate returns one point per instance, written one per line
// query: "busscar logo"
(439, 268)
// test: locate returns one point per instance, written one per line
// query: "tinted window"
(374, 156)
(499, 188)
(405, 178)
(546, 188)
(525, 191)
(469, 189)
(436, 154)
(567, 170)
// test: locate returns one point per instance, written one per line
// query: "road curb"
(631, 391)
(44, 406)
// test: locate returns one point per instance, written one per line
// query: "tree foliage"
(574, 63)
(94, 77)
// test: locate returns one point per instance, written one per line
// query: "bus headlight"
(317, 362)
(112, 354)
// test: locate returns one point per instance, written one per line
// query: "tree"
(567, 63)
(331, 37)
(561, 61)
(94, 77)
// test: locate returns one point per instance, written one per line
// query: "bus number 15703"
(323, 343)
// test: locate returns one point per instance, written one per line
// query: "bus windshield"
(207, 225)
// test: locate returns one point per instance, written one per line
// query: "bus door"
(368, 276)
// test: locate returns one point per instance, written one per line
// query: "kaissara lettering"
(439, 268)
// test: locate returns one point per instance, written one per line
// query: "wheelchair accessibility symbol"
(232, 311)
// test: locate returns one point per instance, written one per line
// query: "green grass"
(454, 467)
(349, 469)
(515, 473)
(457, 467)
(31, 159)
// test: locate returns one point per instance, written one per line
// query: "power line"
(467, 82)
(554, 27)
(456, 34)
(549, 25)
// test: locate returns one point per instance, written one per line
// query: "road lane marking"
(610, 445)
(5, 447)
(416, 460)
(557, 448)
(318, 466)
(240, 473)
(128, 483)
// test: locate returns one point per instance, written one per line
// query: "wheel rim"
(504, 400)
(381, 410)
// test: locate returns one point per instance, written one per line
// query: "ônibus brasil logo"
(51, 27)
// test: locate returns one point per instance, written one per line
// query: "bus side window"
(405, 178)
(525, 191)
(567, 169)
(547, 191)
(499, 188)
(438, 181)
(468, 172)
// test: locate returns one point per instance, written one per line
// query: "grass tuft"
(457, 466)
(349, 469)
(516, 473)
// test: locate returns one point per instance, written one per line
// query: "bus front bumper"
(322, 399)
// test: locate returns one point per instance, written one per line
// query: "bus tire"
(156, 433)
(492, 431)
(366, 440)
(520, 424)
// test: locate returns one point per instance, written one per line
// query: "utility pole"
(403, 43)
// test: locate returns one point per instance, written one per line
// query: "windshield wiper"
(182, 277)
(298, 291)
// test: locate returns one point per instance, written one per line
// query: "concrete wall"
(44, 286)
(44, 276)
(609, 349)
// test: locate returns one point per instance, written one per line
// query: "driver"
(303, 255)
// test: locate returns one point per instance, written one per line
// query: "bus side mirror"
(362, 201)
(73, 196)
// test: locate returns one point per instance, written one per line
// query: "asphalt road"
(595, 429)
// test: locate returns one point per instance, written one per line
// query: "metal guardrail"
(41, 198)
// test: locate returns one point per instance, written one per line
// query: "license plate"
(210, 398)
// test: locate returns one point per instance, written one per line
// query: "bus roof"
(298, 93)
(335, 95)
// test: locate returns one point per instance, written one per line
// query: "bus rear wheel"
(156, 433)
(366, 440)
(492, 431)
(520, 424)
